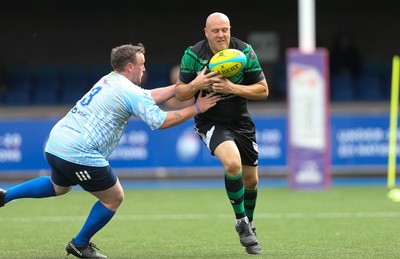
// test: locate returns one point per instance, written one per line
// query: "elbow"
(178, 93)
(262, 95)
(181, 93)
(266, 94)
(179, 96)
(167, 124)
(164, 126)
(263, 90)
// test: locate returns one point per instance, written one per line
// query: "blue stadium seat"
(342, 88)
(156, 76)
(387, 81)
(19, 81)
(369, 87)
(98, 71)
(2, 97)
(75, 83)
(280, 79)
(46, 85)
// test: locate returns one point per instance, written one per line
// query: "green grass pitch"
(345, 222)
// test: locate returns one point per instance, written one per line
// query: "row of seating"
(367, 87)
(49, 85)
(373, 84)
(59, 85)
(54, 85)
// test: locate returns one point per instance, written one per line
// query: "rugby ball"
(227, 62)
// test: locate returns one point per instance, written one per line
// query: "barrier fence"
(359, 145)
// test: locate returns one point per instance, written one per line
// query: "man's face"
(218, 34)
(136, 70)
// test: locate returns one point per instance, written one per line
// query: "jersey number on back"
(88, 98)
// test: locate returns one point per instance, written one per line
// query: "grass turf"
(346, 222)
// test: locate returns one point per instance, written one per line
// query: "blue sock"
(98, 217)
(40, 187)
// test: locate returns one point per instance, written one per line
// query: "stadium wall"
(359, 143)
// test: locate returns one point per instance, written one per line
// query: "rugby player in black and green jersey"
(227, 129)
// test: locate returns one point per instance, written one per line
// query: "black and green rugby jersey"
(231, 108)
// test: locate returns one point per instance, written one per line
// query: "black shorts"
(212, 134)
(92, 179)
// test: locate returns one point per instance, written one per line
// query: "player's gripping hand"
(208, 101)
(222, 85)
(203, 80)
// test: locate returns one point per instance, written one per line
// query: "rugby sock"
(250, 199)
(40, 187)
(98, 217)
(235, 190)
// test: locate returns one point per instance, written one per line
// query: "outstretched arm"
(163, 94)
(202, 104)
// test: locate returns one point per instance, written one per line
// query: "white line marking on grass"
(322, 215)
(331, 215)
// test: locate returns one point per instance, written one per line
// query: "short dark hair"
(122, 55)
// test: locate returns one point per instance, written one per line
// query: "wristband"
(197, 108)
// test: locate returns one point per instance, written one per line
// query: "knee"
(114, 203)
(119, 199)
(60, 190)
(250, 184)
(233, 167)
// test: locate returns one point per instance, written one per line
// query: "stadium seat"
(46, 85)
(280, 80)
(369, 87)
(19, 81)
(342, 88)
(2, 97)
(98, 71)
(75, 83)
(156, 76)
(387, 81)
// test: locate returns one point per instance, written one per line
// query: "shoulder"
(245, 47)
(197, 56)
(198, 49)
(120, 85)
(239, 44)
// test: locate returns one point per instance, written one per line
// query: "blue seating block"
(342, 88)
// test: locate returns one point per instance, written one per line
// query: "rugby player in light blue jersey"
(80, 142)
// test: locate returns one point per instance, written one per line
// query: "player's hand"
(203, 80)
(222, 85)
(208, 101)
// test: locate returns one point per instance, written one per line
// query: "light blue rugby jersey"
(90, 131)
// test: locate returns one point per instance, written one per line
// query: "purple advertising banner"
(308, 120)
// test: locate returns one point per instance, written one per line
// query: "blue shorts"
(92, 179)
